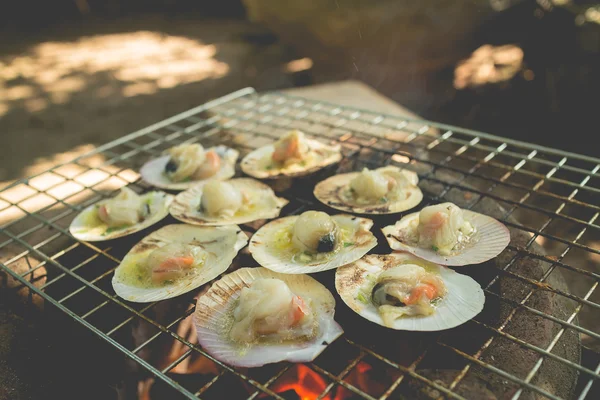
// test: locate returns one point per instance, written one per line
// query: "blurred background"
(75, 74)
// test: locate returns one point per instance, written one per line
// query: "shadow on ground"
(92, 83)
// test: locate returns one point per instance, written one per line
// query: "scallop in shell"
(256, 201)
(216, 311)
(89, 227)
(153, 171)
(484, 239)
(260, 162)
(175, 260)
(280, 244)
(357, 285)
(400, 191)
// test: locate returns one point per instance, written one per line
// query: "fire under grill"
(525, 344)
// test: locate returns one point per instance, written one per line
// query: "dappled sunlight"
(489, 65)
(42, 164)
(69, 182)
(36, 104)
(18, 92)
(141, 63)
(136, 89)
(302, 64)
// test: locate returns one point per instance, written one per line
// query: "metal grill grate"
(548, 196)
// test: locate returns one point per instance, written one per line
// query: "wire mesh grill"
(547, 196)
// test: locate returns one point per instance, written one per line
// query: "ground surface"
(94, 82)
(64, 91)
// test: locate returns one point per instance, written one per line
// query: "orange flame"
(308, 384)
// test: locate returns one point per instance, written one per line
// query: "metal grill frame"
(246, 107)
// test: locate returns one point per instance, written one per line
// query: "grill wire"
(550, 194)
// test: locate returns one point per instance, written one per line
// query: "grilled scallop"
(236, 201)
(403, 292)
(186, 165)
(292, 155)
(312, 242)
(448, 235)
(254, 316)
(120, 216)
(384, 190)
(175, 260)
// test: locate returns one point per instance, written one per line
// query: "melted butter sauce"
(284, 247)
(135, 272)
(348, 196)
(92, 224)
(253, 205)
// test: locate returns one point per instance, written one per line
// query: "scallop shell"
(491, 237)
(81, 230)
(330, 190)
(222, 244)
(256, 163)
(263, 249)
(463, 301)
(212, 319)
(153, 171)
(185, 207)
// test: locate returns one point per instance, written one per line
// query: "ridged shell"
(80, 229)
(153, 171)
(212, 319)
(263, 249)
(255, 163)
(185, 207)
(329, 192)
(490, 239)
(222, 244)
(463, 301)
